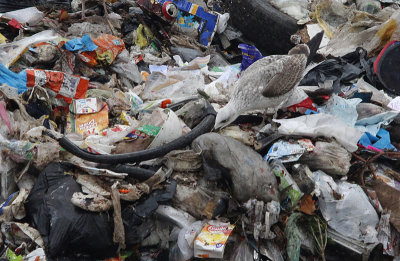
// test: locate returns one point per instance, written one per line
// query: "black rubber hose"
(132, 171)
(206, 125)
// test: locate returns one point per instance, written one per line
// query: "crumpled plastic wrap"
(30, 15)
(176, 84)
(321, 124)
(10, 52)
(362, 31)
(346, 208)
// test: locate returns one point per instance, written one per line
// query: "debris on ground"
(199, 129)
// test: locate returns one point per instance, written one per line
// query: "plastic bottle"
(286, 181)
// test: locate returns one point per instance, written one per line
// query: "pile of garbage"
(190, 129)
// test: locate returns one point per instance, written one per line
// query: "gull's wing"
(256, 76)
(287, 72)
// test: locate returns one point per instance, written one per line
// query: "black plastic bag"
(340, 70)
(136, 220)
(67, 230)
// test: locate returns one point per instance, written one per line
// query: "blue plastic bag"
(16, 80)
(83, 44)
(380, 141)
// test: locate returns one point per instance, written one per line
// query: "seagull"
(268, 82)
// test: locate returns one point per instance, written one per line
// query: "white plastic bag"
(343, 109)
(104, 144)
(352, 214)
(242, 252)
(31, 15)
(10, 52)
(186, 239)
(324, 125)
(173, 84)
(126, 68)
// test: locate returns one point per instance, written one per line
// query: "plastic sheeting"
(321, 124)
(351, 214)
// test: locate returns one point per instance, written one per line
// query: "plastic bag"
(19, 233)
(364, 32)
(66, 86)
(338, 70)
(35, 254)
(299, 234)
(136, 217)
(249, 175)
(343, 109)
(65, 228)
(250, 54)
(16, 80)
(378, 96)
(285, 151)
(186, 239)
(18, 149)
(329, 157)
(331, 14)
(377, 143)
(220, 87)
(108, 47)
(103, 144)
(200, 202)
(7, 181)
(373, 124)
(351, 214)
(10, 52)
(30, 15)
(81, 44)
(187, 54)
(126, 67)
(13, 207)
(321, 124)
(173, 84)
(80, 29)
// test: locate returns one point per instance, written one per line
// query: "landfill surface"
(236, 130)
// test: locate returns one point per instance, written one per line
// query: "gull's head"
(300, 49)
(225, 117)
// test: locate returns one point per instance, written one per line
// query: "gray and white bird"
(268, 83)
